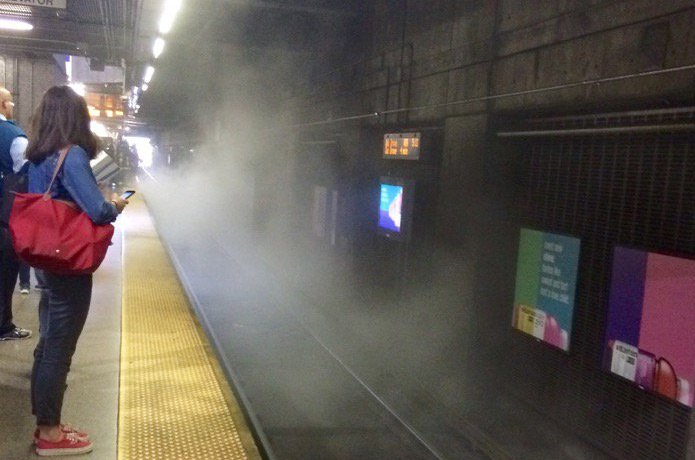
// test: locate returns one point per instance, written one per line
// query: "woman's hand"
(119, 202)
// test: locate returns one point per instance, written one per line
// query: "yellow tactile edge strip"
(174, 403)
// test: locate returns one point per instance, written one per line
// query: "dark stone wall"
(467, 67)
(461, 71)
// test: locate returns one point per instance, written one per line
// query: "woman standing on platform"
(62, 120)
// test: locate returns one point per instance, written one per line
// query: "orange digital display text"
(402, 145)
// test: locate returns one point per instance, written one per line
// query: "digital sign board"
(402, 146)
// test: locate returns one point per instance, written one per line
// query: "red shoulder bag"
(55, 235)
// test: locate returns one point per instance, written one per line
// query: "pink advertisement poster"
(650, 337)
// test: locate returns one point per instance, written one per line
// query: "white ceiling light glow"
(158, 47)
(145, 86)
(79, 88)
(14, 24)
(149, 72)
(68, 67)
(171, 7)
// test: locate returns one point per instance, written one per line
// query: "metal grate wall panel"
(613, 189)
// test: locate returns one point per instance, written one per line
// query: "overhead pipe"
(404, 30)
(124, 8)
(103, 8)
(136, 7)
(124, 41)
(630, 113)
(282, 6)
(502, 96)
(70, 47)
(591, 131)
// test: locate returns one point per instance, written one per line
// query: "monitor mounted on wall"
(395, 207)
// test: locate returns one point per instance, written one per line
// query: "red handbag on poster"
(57, 236)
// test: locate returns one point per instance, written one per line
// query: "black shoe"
(16, 334)
(24, 289)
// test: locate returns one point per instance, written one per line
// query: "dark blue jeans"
(62, 313)
(24, 275)
(9, 266)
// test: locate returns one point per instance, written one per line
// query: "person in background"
(40, 283)
(62, 121)
(24, 278)
(13, 143)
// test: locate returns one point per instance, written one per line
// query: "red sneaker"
(69, 445)
(66, 428)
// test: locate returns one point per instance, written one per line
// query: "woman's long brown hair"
(61, 119)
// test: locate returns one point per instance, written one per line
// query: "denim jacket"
(75, 182)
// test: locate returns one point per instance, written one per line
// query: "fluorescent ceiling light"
(79, 88)
(158, 47)
(68, 67)
(171, 7)
(14, 24)
(145, 86)
(148, 74)
(99, 129)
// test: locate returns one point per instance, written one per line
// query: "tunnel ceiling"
(121, 32)
(101, 29)
(250, 29)
(112, 30)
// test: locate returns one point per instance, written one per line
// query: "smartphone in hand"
(127, 194)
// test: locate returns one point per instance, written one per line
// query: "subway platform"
(144, 382)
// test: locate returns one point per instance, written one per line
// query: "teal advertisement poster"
(546, 280)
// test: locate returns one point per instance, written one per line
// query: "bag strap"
(61, 159)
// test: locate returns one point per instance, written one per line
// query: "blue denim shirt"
(75, 182)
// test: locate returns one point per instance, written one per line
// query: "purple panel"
(627, 295)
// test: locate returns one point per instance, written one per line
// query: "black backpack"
(12, 183)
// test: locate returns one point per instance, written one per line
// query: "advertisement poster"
(650, 336)
(546, 279)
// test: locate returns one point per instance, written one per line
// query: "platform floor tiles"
(144, 381)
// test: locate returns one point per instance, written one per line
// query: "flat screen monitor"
(395, 207)
(651, 322)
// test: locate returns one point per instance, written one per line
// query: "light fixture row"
(15, 24)
(166, 21)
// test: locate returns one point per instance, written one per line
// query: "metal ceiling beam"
(133, 11)
(39, 46)
(88, 44)
(106, 24)
(46, 46)
(67, 35)
(318, 8)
